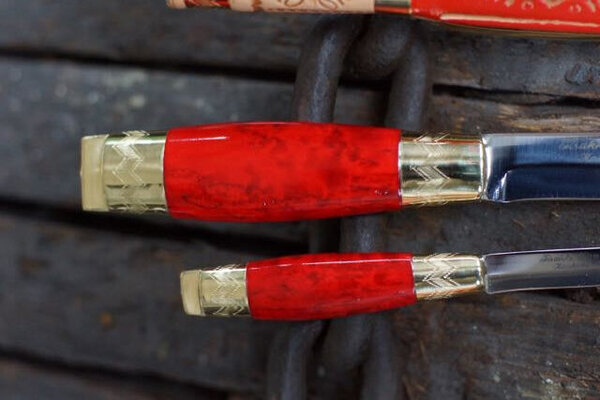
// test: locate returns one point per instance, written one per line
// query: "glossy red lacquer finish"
(564, 16)
(280, 171)
(318, 286)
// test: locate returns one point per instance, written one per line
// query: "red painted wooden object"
(574, 16)
(280, 171)
(318, 286)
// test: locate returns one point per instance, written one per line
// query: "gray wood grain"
(61, 301)
(100, 299)
(21, 380)
(511, 114)
(46, 107)
(515, 64)
(147, 31)
(95, 292)
(533, 345)
(516, 346)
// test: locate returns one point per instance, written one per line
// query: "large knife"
(275, 171)
(319, 286)
(559, 16)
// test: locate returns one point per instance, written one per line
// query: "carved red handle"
(328, 285)
(565, 16)
(280, 171)
(561, 16)
(319, 286)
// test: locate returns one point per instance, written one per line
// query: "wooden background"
(89, 304)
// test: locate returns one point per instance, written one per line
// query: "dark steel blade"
(546, 269)
(542, 166)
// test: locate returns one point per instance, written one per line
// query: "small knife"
(551, 16)
(319, 286)
(276, 171)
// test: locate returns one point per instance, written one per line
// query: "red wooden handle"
(563, 16)
(280, 171)
(321, 286)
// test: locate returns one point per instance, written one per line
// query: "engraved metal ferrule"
(440, 276)
(123, 172)
(440, 168)
(220, 291)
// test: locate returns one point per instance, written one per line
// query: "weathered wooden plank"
(23, 380)
(513, 63)
(62, 102)
(147, 31)
(94, 298)
(517, 346)
(111, 314)
(122, 310)
(477, 113)
(488, 227)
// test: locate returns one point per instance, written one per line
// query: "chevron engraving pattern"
(126, 170)
(133, 172)
(433, 179)
(440, 273)
(438, 168)
(443, 275)
(224, 291)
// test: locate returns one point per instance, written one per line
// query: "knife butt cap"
(92, 187)
(123, 172)
(190, 292)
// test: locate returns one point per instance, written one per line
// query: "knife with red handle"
(319, 286)
(276, 171)
(553, 16)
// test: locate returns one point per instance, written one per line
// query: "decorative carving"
(438, 168)
(434, 179)
(440, 273)
(223, 291)
(132, 172)
(575, 6)
(329, 5)
(308, 6)
(126, 170)
(445, 275)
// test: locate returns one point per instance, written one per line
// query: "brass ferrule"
(220, 291)
(436, 169)
(123, 172)
(440, 276)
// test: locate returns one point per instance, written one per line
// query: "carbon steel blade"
(546, 269)
(542, 166)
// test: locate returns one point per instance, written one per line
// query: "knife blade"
(550, 16)
(319, 286)
(277, 171)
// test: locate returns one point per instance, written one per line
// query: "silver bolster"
(436, 169)
(220, 291)
(123, 172)
(447, 275)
